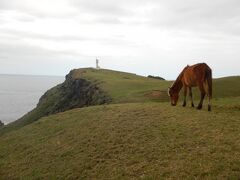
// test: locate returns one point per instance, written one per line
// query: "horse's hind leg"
(208, 90)
(203, 93)
(191, 96)
(201, 101)
(209, 103)
(185, 96)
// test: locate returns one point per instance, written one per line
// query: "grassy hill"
(135, 135)
(126, 141)
(125, 87)
(88, 86)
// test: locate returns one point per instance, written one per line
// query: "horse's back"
(195, 74)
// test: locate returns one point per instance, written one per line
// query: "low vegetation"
(136, 135)
(126, 141)
(156, 77)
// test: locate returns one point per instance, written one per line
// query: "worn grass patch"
(127, 141)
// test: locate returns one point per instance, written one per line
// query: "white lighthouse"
(97, 64)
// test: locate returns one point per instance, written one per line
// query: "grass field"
(127, 141)
(139, 136)
(125, 87)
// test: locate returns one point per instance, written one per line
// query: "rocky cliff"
(75, 92)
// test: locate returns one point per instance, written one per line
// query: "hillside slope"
(88, 86)
(72, 93)
(125, 87)
(126, 141)
(133, 134)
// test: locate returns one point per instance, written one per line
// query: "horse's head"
(173, 96)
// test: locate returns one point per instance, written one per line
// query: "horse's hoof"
(192, 105)
(209, 108)
(199, 107)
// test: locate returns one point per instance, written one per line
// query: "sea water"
(19, 94)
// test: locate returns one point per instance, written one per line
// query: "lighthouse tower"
(97, 64)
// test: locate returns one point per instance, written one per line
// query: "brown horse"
(197, 75)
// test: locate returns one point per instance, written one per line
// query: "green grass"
(124, 87)
(126, 141)
(127, 87)
(121, 87)
(226, 87)
(138, 136)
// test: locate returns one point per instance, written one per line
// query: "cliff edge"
(75, 92)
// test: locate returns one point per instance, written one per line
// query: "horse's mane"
(178, 80)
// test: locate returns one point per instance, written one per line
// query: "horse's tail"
(208, 78)
(208, 81)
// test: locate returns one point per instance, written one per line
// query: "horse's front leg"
(185, 96)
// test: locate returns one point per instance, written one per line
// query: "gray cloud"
(13, 34)
(109, 7)
(36, 8)
(194, 15)
(5, 5)
(27, 59)
(199, 16)
(24, 34)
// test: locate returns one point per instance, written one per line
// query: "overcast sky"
(158, 37)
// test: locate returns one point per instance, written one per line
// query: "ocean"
(19, 94)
